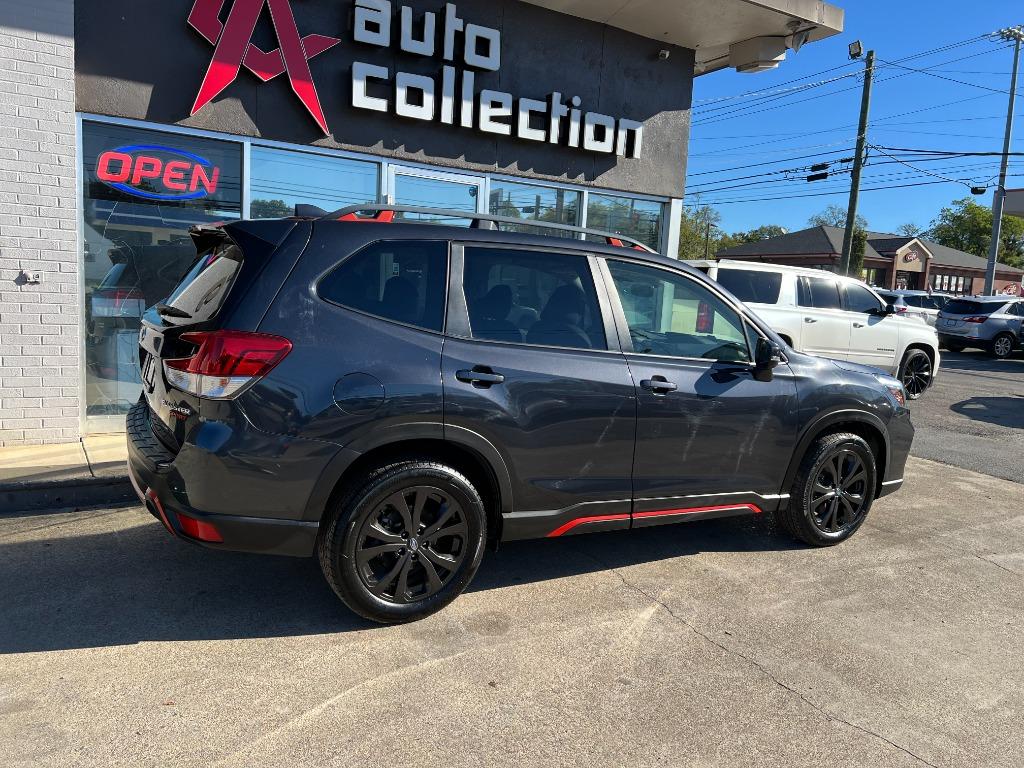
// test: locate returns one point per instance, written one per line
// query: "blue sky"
(740, 147)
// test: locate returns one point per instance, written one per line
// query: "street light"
(856, 49)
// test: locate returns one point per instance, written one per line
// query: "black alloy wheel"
(833, 491)
(405, 540)
(412, 544)
(839, 493)
(916, 373)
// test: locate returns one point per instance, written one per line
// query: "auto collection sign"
(462, 48)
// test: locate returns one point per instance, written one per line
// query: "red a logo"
(234, 47)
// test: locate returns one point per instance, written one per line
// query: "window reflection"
(142, 191)
(638, 219)
(535, 203)
(282, 178)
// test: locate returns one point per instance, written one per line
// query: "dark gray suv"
(392, 397)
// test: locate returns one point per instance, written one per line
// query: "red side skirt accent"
(584, 520)
(563, 529)
(697, 510)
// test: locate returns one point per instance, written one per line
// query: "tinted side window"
(672, 315)
(404, 281)
(914, 301)
(820, 293)
(750, 285)
(532, 297)
(860, 299)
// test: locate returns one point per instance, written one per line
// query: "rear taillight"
(900, 310)
(225, 362)
(117, 302)
(976, 319)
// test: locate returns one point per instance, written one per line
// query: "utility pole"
(858, 161)
(707, 237)
(1010, 33)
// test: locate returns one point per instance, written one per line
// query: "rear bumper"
(163, 484)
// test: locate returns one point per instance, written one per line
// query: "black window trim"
(458, 325)
(622, 326)
(315, 284)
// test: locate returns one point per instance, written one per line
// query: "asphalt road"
(714, 643)
(973, 417)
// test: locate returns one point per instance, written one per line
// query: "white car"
(821, 313)
(918, 303)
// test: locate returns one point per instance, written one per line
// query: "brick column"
(40, 359)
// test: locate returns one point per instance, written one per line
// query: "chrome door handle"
(810, 320)
(481, 376)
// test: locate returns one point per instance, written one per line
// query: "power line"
(742, 111)
(943, 77)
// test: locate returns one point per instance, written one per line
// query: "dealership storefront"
(203, 111)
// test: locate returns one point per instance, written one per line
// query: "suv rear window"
(752, 285)
(820, 293)
(404, 281)
(202, 290)
(965, 307)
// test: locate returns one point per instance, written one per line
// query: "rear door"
(827, 327)
(532, 370)
(711, 440)
(875, 335)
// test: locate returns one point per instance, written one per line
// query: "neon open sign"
(155, 172)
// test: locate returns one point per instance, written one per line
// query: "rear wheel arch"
(492, 484)
(859, 423)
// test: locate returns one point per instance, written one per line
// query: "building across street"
(127, 122)
(893, 262)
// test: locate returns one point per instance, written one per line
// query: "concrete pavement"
(717, 643)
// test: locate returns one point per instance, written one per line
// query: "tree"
(967, 226)
(270, 209)
(757, 234)
(835, 216)
(700, 235)
(910, 229)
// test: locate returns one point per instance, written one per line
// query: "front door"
(876, 334)
(434, 189)
(710, 439)
(532, 373)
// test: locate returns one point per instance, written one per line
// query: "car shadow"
(136, 585)
(1007, 411)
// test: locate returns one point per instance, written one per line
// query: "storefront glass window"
(639, 219)
(142, 192)
(536, 203)
(281, 178)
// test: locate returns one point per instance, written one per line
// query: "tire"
(817, 519)
(916, 373)
(383, 571)
(1002, 346)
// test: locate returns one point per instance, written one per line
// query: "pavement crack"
(828, 715)
(997, 565)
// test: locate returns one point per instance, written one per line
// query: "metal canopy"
(709, 27)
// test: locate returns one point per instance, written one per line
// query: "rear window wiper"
(168, 311)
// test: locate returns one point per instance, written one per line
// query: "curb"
(64, 494)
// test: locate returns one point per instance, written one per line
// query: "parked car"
(393, 396)
(918, 303)
(824, 314)
(992, 323)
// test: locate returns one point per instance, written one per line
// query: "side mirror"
(768, 357)
(890, 309)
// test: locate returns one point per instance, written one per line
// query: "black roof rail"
(385, 214)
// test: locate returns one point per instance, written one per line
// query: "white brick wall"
(40, 373)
